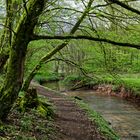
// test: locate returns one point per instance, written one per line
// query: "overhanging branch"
(125, 6)
(78, 37)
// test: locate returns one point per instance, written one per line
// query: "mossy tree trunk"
(15, 69)
(30, 100)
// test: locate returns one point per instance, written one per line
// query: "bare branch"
(8, 28)
(38, 37)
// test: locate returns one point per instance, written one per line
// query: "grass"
(102, 124)
(132, 84)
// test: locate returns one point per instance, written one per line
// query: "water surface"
(123, 116)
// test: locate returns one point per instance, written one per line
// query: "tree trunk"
(30, 100)
(3, 60)
(13, 83)
(30, 77)
(15, 69)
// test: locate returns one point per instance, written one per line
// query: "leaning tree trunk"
(15, 70)
(56, 49)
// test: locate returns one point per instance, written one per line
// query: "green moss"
(42, 111)
(101, 123)
(43, 107)
(45, 110)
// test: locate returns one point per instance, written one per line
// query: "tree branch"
(8, 28)
(39, 37)
(125, 6)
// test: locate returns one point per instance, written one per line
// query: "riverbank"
(124, 87)
(118, 91)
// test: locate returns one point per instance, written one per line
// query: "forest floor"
(71, 122)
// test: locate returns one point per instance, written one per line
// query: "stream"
(122, 116)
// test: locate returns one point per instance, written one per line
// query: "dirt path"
(71, 121)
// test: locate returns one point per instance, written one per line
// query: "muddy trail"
(70, 121)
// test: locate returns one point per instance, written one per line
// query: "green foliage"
(36, 50)
(102, 125)
(79, 81)
(26, 123)
(133, 85)
(72, 79)
(42, 78)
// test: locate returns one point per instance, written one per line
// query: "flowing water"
(122, 116)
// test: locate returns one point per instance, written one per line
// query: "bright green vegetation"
(101, 123)
(133, 83)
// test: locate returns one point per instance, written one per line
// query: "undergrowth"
(29, 125)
